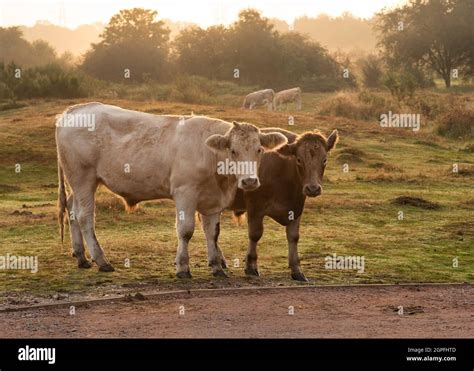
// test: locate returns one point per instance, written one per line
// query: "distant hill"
(62, 39)
(78, 40)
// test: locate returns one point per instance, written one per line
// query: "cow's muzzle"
(312, 190)
(249, 184)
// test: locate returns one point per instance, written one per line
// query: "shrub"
(402, 85)
(362, 106)
(5, 91)
(190, 90)
(371, 68)
(457, 123)
(46, 81)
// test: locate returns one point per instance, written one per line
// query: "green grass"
(355, 215)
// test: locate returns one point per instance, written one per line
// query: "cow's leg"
(223, 261)
(252, 105)
(185, 210)
(84, 205)
(211, 226)
(298, 103)
(78, 250)
(255, 226)
(293, 235)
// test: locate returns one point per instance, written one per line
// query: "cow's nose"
(250, 183)
(312, 190)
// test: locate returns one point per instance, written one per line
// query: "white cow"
(259, 98)
(141, 156)
(287, 96)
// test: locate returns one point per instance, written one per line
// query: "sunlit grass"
(355, 215)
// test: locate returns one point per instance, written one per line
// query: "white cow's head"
(243, 146)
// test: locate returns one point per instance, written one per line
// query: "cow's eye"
(325, 161)
(233, 152)
(299, 161)
(260, 150)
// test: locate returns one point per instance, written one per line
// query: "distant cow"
(287, 96)
(141, 156)
(259, 98)
(287, 177)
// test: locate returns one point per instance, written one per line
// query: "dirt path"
(320, 312)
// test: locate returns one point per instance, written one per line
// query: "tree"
(262, 56)
(204, 52)
(14, 48)
(253, 43)
(132, 41)
(433, 33)
(371, 69)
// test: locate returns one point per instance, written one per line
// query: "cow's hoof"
(223, 264)
(184, 274)
(219, 273)
(299, 276)
(106, 268)
(252, 272)
(84, 264)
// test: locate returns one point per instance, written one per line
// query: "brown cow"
(287, 176)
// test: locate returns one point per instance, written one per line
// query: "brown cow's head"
(311, 150)
(243, 146)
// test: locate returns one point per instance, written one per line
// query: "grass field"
(356, 214)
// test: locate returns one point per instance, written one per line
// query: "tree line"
(249, 52)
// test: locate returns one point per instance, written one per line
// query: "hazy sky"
(72, 13)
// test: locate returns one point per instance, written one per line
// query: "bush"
(5, 91)
(402, 85)
(457, 123)
(371, 68)
(191, 90)
(362, 106)
(432, 105)
(46, 81)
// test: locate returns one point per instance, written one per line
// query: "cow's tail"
(238, 217)
(62, 201)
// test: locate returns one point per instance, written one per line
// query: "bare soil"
(432, 311)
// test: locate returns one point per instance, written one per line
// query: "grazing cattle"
(259, 98)
(287, 96)
(141, 156)
(287, 177)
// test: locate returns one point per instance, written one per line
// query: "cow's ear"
(288, 150)
(217, 142)
(236, 124)
(332, 140)
(272, 140)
